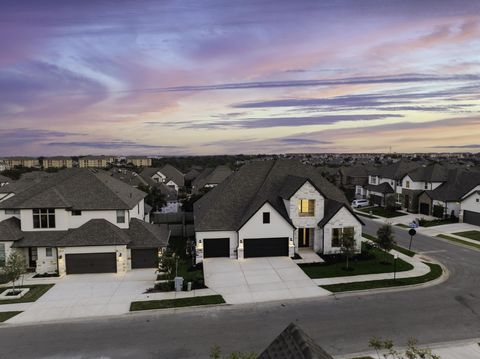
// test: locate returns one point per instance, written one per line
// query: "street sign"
(412, 232)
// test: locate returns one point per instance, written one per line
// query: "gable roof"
(293, 342)
(459, 182)
(81, 189)
(229, 205)
(173, 174)
(396, 170)
(331, 209)
(431, 173)
(380, 188)
(10, 230)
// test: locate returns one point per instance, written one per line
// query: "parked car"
(357, 203)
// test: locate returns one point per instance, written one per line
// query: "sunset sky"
(215, 77)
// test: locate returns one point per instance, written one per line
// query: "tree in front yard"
(412, 351)
(15, 267)
(390, 204)
(385, 238)
(168, 264)
(348, 248)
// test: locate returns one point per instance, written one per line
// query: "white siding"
(470, 203)
(343, 218)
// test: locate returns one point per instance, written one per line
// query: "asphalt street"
(340, 324)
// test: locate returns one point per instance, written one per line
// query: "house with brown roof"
(78, 221)
(273, 208)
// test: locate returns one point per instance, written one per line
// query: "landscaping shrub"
(438, 211)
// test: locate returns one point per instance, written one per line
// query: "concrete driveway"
(259, 280)
(86, 295)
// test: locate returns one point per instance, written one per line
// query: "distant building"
(57, 162)
(95, 161)
(12, 162)
(140, 161)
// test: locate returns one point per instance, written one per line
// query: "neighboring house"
(191, 175)
(168, 175)
(12, 162)
(79, 221)
(3, 165)
(378, 193)
(393, 175)
(140, 161)
(414, 182)
(353, 179)
(57, 162)
(470, 207)
(273, 208)
(210, 177)
(95, 161)
(4, 181)
(453, 197)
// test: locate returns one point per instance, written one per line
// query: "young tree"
(412, 352)
(15, 267)
(386, 238)
(390, 204)
(348, 248)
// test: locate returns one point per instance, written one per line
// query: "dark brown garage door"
(266, 247)
(216, 247)
(425, 209)
(91, 263)
(471, 217)
(144, 258)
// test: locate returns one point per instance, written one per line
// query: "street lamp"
(395, 257)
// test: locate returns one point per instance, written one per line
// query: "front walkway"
(259, 280)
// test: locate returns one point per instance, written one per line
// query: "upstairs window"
(306, 207)
(407, 184)
(266, 217)
(426, 185)
(44, 218)
(76, 213)
(120, 216)
(12, 211)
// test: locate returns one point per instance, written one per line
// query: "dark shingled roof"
(459, 183)
(331, 209)
(380, 188)
(396, 170)
(173, 174)
(4, 179)
(294, 343)
(431, 173)
(80, 189)
(211, 176)
(229, 205)
(96, 232)
(10, 230)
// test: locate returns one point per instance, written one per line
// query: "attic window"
(76, 212)
(306, 207)
(266, 217)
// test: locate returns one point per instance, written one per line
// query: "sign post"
(411, 232)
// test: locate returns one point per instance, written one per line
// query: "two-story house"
(210, 177)
(78, 221)
(273, 208)
(168, 175)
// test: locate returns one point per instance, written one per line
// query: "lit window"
(266, 217)
(48, 252)
(44, 218)
(120, 216)
(306, 207)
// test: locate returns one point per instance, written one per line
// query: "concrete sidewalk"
(456, 350)
(419, 269)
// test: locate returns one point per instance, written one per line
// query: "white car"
(358, 203)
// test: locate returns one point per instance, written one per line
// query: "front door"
(32, 257)
(304, 235)
(407, 201)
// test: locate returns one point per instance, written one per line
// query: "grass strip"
(401, 225)
(475, 235)
(435, 272)
(459, 241)
(403, 250)
(365, 215)
(7, 315)
(382, 212)
(176, 303)
(35, 292)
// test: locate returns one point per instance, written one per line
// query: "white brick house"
(273, 208)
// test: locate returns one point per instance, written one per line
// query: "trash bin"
(189, 286)
(178, 284)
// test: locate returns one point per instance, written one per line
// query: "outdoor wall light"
(60, 256)
(120, 255)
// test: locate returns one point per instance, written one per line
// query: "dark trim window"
(2, 255)
(12, 211)
(48, 252)
(120, 216)
(76, 212)
(266, 217)
(44, 218)
(306, 207)
(339, 233)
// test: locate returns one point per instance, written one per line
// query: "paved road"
(343, 324)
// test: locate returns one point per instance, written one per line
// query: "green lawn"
(397, 248)
(7, 315)
(369, 262)
(382, 212)
(401, 225)
(35, 292)
(435, 272)
(176, 303)
(189, 274)
(475, 235)
(435, 222)
(365, 215)
(459, 241)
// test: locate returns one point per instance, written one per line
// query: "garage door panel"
(83, 263)
(266, 247)
(425, 209)
(471, 217)
(216, 247)
(144, 258)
